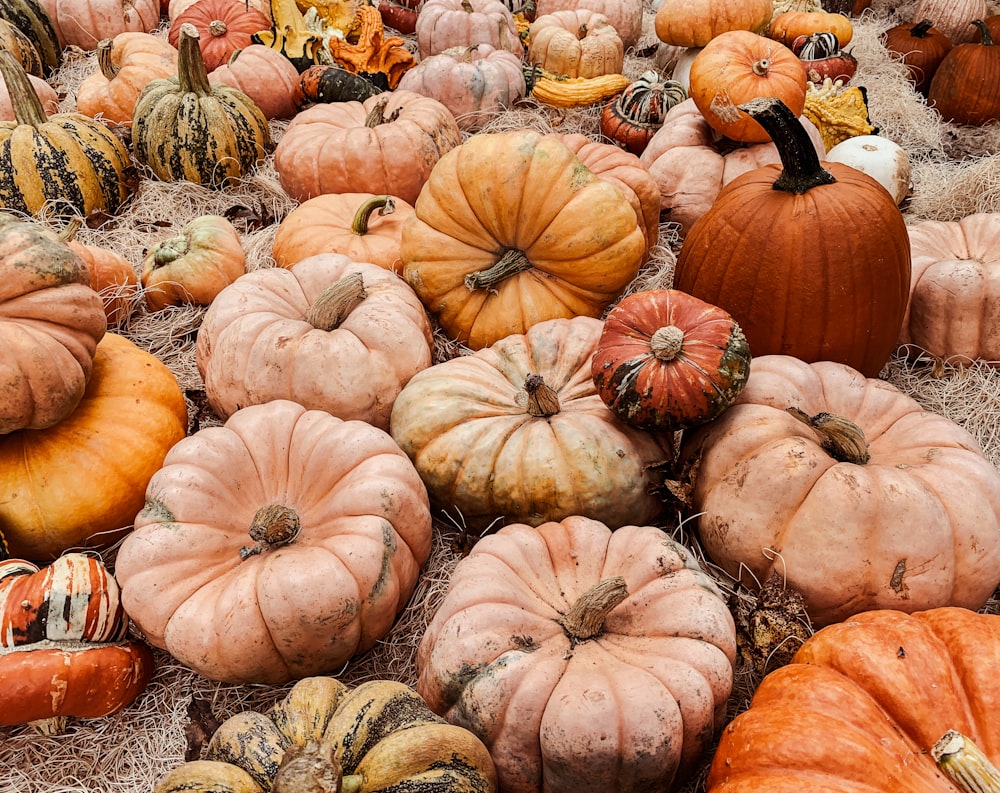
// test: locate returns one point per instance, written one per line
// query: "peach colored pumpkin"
(954, 306)
(277, 546)
(46, 94)
(584, 659)
(329, 333)
(265, 75)
(83, 23)
(625, 16)
(476, 83)
(362, 226)
(916, 525)
(126, 64)
(113, 277)
(443, 24)
(952, 17)
(575, 43)
(690, 163)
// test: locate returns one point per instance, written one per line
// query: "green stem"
(191, 71)
(383, 203)
(965, 764)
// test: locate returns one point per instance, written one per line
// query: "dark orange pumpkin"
(225, 27)
(965, 88)
(667, 360)
(811, 262)
(920, 47)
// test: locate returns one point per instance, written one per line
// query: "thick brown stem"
(842, 439)
(104, 60)
(383, 203)
(511, 263)
(585, 618)
(337, 301)
(985, 37)
(543, 401)
(666, 342)
(272, 527)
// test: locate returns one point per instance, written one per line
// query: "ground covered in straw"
(956, 172)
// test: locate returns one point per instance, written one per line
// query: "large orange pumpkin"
(798, 282)
(694, 23)
(276, 546)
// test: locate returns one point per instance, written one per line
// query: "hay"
(955, 172)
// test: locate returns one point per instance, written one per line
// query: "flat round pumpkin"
(276, 546)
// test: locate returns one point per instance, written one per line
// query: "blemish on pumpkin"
(896, 581)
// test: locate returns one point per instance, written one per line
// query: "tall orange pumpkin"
(811, 262)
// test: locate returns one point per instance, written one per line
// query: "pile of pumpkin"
(579, 645)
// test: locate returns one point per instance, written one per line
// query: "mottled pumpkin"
(29, 17)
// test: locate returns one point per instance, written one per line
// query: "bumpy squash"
(378, 737)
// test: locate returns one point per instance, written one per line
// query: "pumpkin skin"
(67, 163)
(625, 16)
(917, 526)
(19, 45)
(443, 24)
(365, 533)
(283, 334)
(45, 92)
(84, 24)
(126, 65)
(113, 277)
(361, 226)
(952, 17)
(694, 23)
(32, 19)
(783, 296)
(51, 321)
(132, 411)
(386, 144)
(964, 88)
(266, 76)
(954, 311)
(884, 686)
(225, 27)
(363, 730)
(921, 47)
(490, 255)
(575, 43)
(631, 708)
(638, 112)
(186, 128)
(494, 445)
(788, 26)
(669, 361)
(193, 266)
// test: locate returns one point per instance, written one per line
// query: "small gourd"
(637, 113)
(823, 57)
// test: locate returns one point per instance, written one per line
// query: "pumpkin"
(185, 128)
(882, 159)
(401, 15)
(51, 324)
(126, 64)
(578, 43)
(444, 24)
(694, 23)
(330, 333)
(736, 67)
(83, 23)
(46, 94)
(585, 659)
(638, 112)
(112, 276)
(369, 52)
(31, 19)
(965, 88)
(490, 255)
(952, 17)
(953, 307)
(851, 8)
(625, 16)
(19, 45)
(258, 531)
(517, 432)
(787, 293)
(362, 226)
(691, 164)
(63, 644)
(920, 47)
(266, 76)
(66, 163)
(81, 481)
(386, 144)
(333, 83)
(845, 486)
(177, 7)
(194, 265)
(884, 686)
(225, 26)
(378, 736)
(669, 361)
(790, 25)
(823, 58)
(476, 83)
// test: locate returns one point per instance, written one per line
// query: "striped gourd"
(185, 128)
(30, 17)
(67, 163)
(13, 40)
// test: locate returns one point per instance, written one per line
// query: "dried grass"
(955, 172)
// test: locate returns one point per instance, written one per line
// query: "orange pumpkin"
(584, 659)
(113, 277)
(266, 76)
(694, 23)
(788, 26)
(965, 88)
(625, 16)
(225, 27)
(736, 67)
(575, 43)
(276, 546)
(46, 94)
(920, 47)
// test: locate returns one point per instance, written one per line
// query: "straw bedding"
(956, 171)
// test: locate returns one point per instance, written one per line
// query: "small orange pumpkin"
(112, 276)
(789, 25)
(265, 75)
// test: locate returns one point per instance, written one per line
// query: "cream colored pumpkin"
(577, 43)
(625, 16)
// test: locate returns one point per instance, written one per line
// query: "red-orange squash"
(964, 88)
(225, 27)
(584, 659)
(848, 490)
(862, 705)
(277, 546)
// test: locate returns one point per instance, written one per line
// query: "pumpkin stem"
(218, 27)
(383, 203)
(761, 67)
(666, 342)
(800, 168)
(543, 401)
(54, 725)
(272, 526)
(336, 302)
(312, 768)
(170, 250)
(377, 114)
(985, 37)
(104, 61)
(585, 618)
(965, 764)
(920, 30)
(843, 440)
(512, 262)
(23, 98)
(191, 72)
